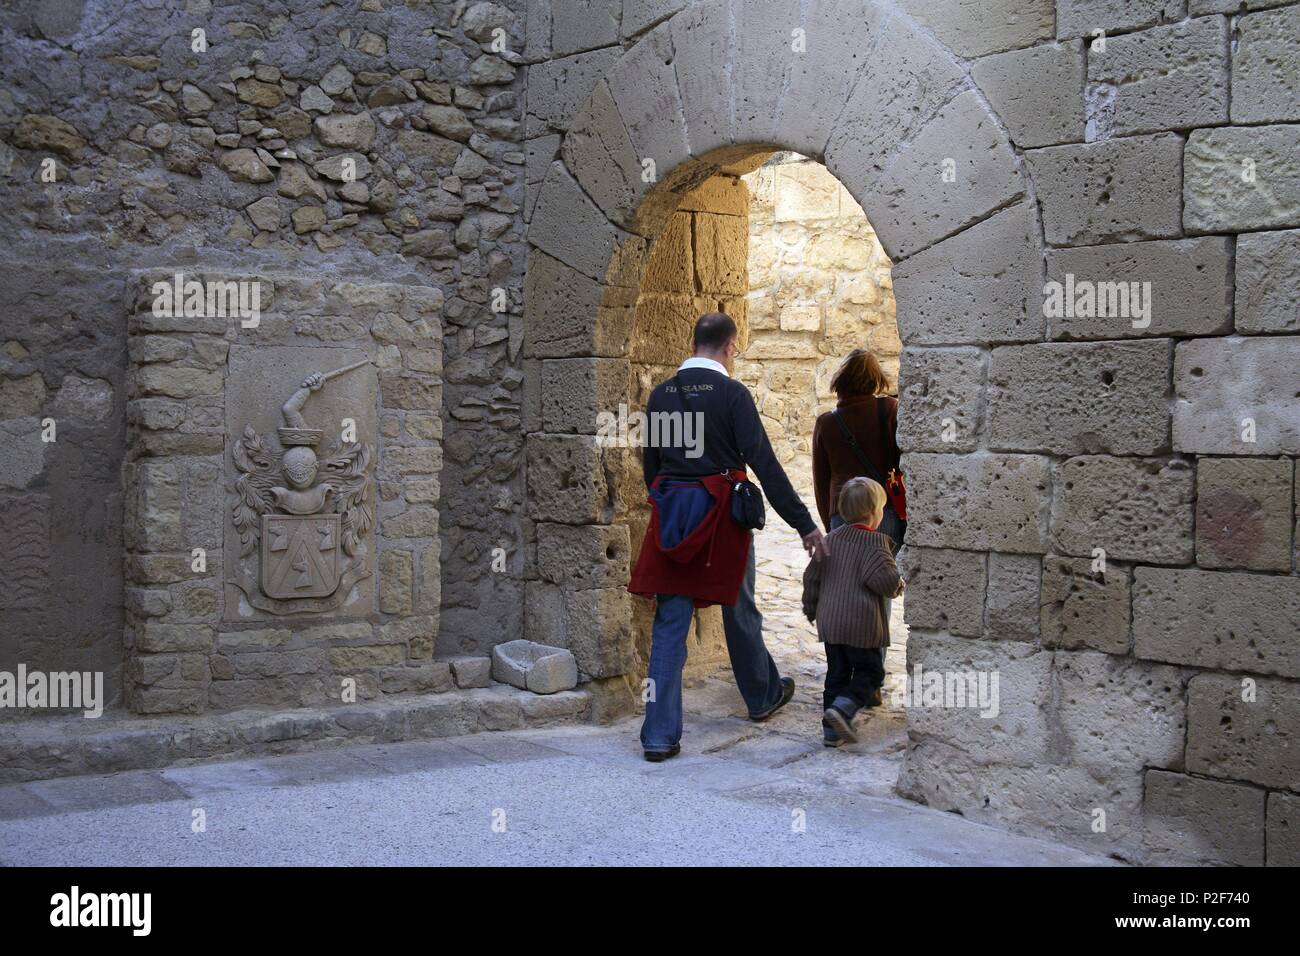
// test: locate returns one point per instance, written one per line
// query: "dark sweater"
(845, 592)
(833, 459)
(734, 437)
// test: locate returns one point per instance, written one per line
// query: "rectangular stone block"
(1177, 287)
(1237, 396)
(972, 28)
(945, 590)
(1283, 837)
(1011, 605)
(1266, 67)
(1256, 740)
(1171, 77)
(578, 25)
(979, 502)
(584, 556)
(558, 87)
(982, 285)
(577, 392)
(721, 246)
(923, 205)
(570, 314)
(568, 480)
(1081, 17)
(1012, 728)
(1199, 8)
(1082, 608)
(1244, 513)
(940, 399)
(1268, 282)
(1241, 622)
(594, 624)
(1117, 715)
(1119, 190)
(1204, 822)
(1134, 509)
(1238, 178)
(1038, 92)
(1080, 398)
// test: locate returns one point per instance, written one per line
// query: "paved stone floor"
(740, 794)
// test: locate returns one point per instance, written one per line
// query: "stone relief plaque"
(301, 426)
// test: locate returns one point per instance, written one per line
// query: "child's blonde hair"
(860, 498)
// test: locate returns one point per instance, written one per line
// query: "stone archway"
(879, 100)
(1027, 446)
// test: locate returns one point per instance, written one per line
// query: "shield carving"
(300, 555)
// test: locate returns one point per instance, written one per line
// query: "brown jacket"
(833, 459)
(845, 592)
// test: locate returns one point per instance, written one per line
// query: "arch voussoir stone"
(568, 226)
(704, 76)
(841, 38)
(982, 285)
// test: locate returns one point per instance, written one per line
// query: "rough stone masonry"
(480, 205)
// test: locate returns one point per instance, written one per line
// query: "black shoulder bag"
(747, 508)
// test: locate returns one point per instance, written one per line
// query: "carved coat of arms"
(303, 516)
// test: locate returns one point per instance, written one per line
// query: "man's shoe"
(841, 724)
(831, 737)
(659, 756)
(787, 692)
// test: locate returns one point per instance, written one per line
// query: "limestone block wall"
(358, 142)
(819, 286)
(998, 148)
(200, 634)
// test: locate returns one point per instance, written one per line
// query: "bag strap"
(872, 471)
(882, 418)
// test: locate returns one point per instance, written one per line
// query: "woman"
(862, 425)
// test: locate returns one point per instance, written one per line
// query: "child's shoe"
(839, 715)
(831, 737)
(876, 699)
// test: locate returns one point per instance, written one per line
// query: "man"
(694, 553)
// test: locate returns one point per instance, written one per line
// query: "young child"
(845, 593)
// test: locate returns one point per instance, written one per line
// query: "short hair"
(713, 330)
(860, 374)
(860, 498)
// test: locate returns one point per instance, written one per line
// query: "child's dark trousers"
(852, 674)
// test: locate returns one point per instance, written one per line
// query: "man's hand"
(814, 542)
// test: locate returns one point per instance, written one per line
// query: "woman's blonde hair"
(860, 498)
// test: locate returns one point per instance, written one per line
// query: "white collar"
(696, 362)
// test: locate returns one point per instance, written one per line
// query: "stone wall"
(819, 286)
(202, 635)
(993, 153)
(317, 148)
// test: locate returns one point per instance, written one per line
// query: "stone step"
(39, 749)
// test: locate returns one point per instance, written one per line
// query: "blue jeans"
(755, 671)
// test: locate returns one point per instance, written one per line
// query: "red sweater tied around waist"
(692, 546)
